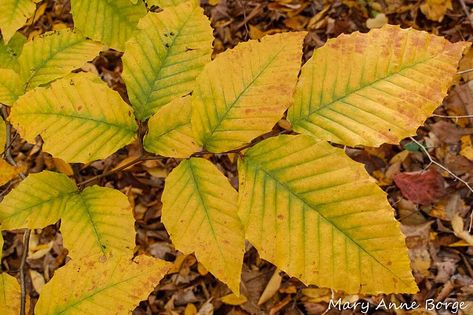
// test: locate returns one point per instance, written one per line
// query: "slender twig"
(454, 117)
(465, 71)
(432, 161)
(467, 12)
(24, 255)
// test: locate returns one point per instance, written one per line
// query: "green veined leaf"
(14, 15)
(79, 118)
(97, 220)
(200, 213)
(9, 52)
(111, 22)
(170, 131)
(373, 88)
(53, 55)
(316, 214)
(10, 86)
(10, 293)
(93, 286)
(170, 3)
(245, 91)
(37, 201)
(162, 61)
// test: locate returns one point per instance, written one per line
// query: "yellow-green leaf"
(200, 214)
(9, 52)
(317, 215)
(170, 3)
(94, 286)
(7, 171)
(79, 118)
(111, 22)
(245, 91)
(37, 201)
(97, 220)
(10, 293)
(368, 89)
(10, 86)
(14, 15)
(170, 131)
(53, 55)
(168, 52)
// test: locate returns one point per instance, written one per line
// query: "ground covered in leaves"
(430, 203)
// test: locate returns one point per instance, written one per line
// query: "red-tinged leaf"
(421, 187)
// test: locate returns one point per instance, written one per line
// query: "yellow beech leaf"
(53, 55)
(316, 214)
(232, 299)
(10, 86)
(244, 91)
(165, 56)
(9, 52)
(170, 131)
(200, 214)
(112, 285)
(97, 220)
(368, 89)
(14, 15)
(110, 22)
(10, 294)
(7, 171)
(79, 118)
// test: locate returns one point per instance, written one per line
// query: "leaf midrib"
(364, 86)
(259, 167)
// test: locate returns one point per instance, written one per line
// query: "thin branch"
(432, 161)
(467, 13)
(24, 255)
(454, 117)
(465, 71)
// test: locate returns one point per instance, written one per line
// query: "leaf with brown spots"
(374, 88)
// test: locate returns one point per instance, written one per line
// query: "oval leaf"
(170, 131)
(316, 214)
(97, 220)
(79, 118)
(10, 86)
(162, 61)
(14, 15)
(245, 91)
(110, 22)
(53, 55)
(94, 286)
(10, 294)
(368, 89)
(200, 213)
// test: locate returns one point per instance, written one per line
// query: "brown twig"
(24, 255)
(467, 13)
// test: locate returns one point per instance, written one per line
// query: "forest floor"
(441, 252)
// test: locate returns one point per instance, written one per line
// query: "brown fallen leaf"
(421, 187)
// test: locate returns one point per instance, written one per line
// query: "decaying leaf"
(170, 131)
(200, 214)
(435, 9)
(244, 91)
(422, 187)
(8, 172)
(79, 118)
(108, 285)
(312, 211)
(97, 220)
(374, 88)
